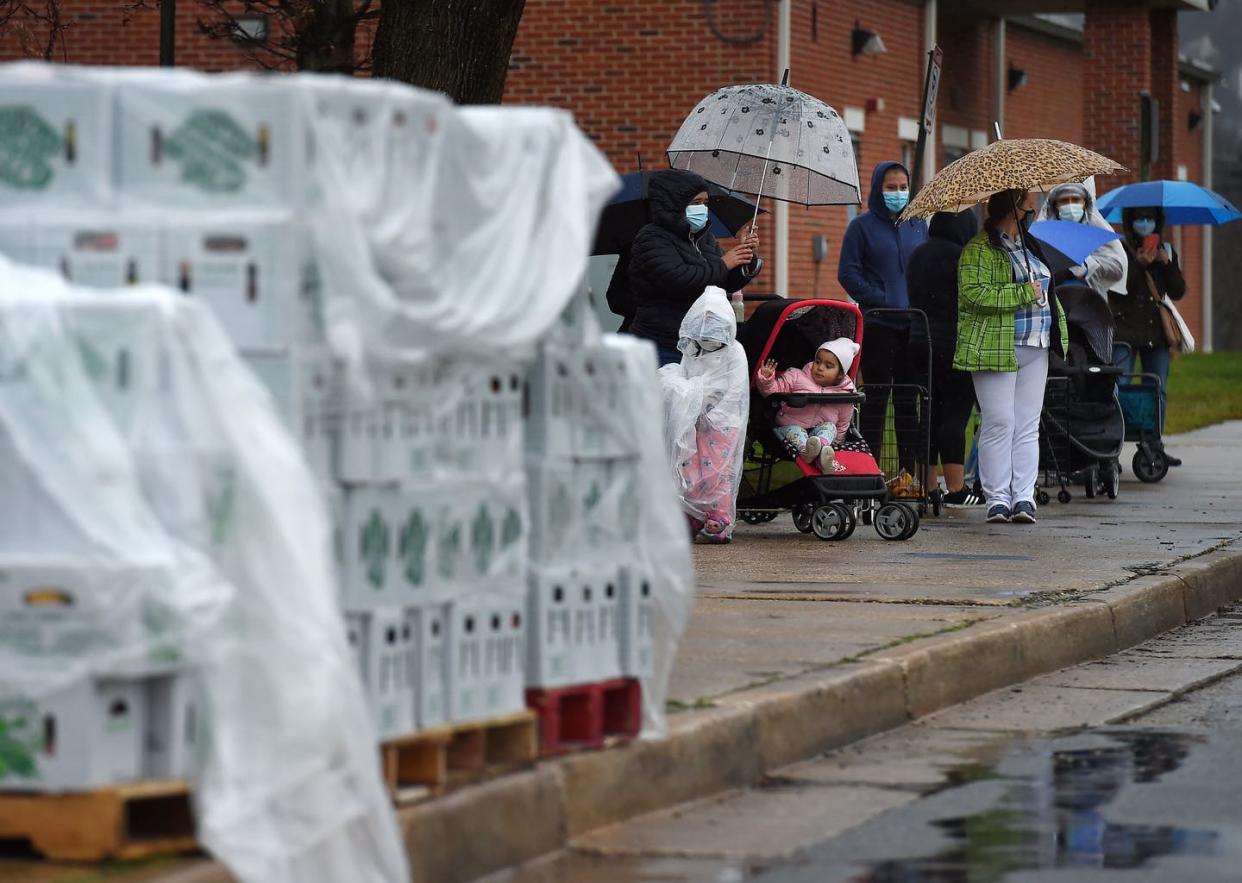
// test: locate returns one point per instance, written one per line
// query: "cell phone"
(1151, 242)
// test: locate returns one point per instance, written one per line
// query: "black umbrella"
(628, 212)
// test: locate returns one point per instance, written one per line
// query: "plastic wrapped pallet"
(288, 789)
(604, 514)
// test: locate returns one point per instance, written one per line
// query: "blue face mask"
(896, 200)
(697, 216)
(1071, 211)
(1144, 226)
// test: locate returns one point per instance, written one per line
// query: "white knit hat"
(844, 349)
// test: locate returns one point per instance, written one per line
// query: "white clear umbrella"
(769, 140)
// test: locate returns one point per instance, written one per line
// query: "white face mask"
(1071, 211)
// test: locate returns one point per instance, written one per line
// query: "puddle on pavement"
(1053, 818)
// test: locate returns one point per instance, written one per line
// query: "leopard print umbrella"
(1026, 163)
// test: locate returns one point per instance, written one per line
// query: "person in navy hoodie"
(872, 270)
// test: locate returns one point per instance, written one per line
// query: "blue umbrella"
(1070, 241)
(1181, 201)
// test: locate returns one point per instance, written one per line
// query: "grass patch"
(1204, 388)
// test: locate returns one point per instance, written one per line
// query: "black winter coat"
(1137, 315)
(670, 266)
(931, 277)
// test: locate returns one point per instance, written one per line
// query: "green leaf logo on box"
(483, 539)
(412, 548)
(511, 530)
(213, 150)
(373, 546)
(93, 362)
(27, 143)
(449, 546)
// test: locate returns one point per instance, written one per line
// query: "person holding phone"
(1153, 273)
(676, 257)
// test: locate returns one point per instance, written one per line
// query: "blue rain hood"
(875, 196)
(875, 251)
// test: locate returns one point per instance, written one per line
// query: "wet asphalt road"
(1127, 769)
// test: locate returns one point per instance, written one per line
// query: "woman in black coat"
(675, 257)
(1153, 269)
(931, 282)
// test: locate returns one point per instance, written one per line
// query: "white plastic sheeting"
(706, 406)
(663, 546)
(482, 225)
(193, 479)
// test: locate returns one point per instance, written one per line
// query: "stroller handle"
(802, 399)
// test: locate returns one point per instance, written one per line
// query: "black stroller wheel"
(1041, 497)
(750, 516)
(1064, 496)
(802, 517)
(937, 502)
(829, 522)
(1149, 467)
(894, 521)
(851, 521)
(1091, 481)
(1112, 480)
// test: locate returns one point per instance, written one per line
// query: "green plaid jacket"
(987, 297)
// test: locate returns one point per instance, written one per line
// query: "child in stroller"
(774, 480)
(810, 430)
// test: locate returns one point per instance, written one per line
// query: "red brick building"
(631, 69)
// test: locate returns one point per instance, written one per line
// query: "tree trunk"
(460, 47)
(326, 36)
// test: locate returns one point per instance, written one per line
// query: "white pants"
(1009, 403)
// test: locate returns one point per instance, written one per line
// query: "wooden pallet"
(586, 715)
(122, 822)
(436, 759)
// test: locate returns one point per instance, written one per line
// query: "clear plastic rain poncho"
(706, 406)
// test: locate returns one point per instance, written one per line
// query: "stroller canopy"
(796, 337)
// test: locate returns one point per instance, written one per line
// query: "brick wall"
(1050, 104)
(1165, 81)
(1189, 240)
(630, 70)
(966, 83)
(1118, 52)
(112, 33)
(824, 65)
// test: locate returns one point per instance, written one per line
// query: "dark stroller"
(1082, 428)
(773, 479)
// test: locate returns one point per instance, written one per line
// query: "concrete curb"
(519, 817)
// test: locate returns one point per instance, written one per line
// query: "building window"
(950, 153)
(907, 155)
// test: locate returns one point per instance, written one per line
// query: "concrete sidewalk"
(776, 604)
(798, 645)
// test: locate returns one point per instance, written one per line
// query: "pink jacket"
(794, 380)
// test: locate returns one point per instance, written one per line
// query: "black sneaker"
(963, 499)
(1171, 460)
(1023, 512)
(998, 514)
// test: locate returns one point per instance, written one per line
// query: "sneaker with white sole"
(1023, 512)
(998, 514)
(811, 449)
(963, 499)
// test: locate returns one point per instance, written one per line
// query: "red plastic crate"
(585, 715)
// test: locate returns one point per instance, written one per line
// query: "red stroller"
(773, 479)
